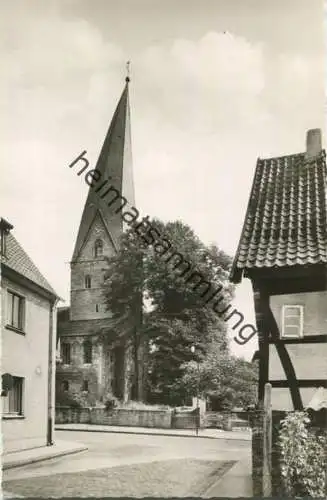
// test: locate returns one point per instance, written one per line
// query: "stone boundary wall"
(124, 417)
(186, 419)
(155, 418)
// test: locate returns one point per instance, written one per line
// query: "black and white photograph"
(163, 249)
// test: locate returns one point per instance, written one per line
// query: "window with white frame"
(15, 310)
(292, 321)
(13, 400)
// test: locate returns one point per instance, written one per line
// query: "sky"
(215, 84)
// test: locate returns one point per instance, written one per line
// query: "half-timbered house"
(283, 251)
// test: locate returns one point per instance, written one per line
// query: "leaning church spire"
(115, 171)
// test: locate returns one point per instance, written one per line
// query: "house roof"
(18, 260)
(285, 223)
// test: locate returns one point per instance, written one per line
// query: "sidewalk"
(203, 433)
(236, 483)
(25, 457)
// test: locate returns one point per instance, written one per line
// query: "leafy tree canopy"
(146, 286)
(227, 380)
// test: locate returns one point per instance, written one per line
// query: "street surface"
(128, 465)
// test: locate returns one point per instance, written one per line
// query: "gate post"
(267, 443)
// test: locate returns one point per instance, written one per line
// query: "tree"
(124, 287)
(225, 379)
(165, 305)
(179, 317)
(171, 341)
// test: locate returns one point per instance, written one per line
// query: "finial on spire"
(127, 79)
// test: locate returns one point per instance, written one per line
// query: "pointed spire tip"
(127, 79)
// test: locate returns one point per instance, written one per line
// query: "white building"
(27, 312)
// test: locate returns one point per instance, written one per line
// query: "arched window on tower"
(87, 281)
(65, 385)
(87, 352)
(98, 248)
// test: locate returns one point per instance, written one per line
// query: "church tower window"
(65, 386)
(87, 281)
(98, 248)
(66, 353)
(87, 352)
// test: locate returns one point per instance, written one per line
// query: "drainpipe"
(51, 372)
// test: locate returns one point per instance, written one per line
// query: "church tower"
(89, 365)
(101, 224)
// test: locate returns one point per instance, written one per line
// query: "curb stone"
(28, 461)
(151, 433)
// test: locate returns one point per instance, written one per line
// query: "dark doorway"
(118, 382)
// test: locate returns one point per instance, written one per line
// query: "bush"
(110, 403)
(71, 399)
(302, 457)
(140, 405)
